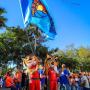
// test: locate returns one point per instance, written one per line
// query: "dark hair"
(80, 74)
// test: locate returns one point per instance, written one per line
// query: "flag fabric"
(36, 12)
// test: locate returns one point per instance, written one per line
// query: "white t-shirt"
(84, 78)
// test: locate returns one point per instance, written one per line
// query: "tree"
(53, 51)
(83, 52)
(83, 57)
(16, 43)
(42, 52)
(70, 62)
(2, 18)
(78, 58)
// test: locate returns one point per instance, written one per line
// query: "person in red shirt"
(9, 82)
(17, 79)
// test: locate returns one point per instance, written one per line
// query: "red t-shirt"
(18, 76)
(9, 81)
(52, 75)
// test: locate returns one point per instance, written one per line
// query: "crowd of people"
(47, 76)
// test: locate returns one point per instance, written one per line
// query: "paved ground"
(5, 89)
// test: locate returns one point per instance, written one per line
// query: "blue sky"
(72, 20)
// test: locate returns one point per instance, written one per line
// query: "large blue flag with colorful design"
(36, 12)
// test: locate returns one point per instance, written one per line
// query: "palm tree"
(2, 18)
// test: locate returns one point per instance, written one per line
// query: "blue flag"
(36, 12)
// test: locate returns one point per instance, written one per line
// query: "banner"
(36, 12)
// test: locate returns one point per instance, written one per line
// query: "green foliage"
(70, 62)
(83, 52)
(16, 43)
(2, 18)
(42, 52)
(75, 58)
(4, 71)
(2, 11)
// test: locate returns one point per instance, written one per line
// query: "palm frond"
(2, 11)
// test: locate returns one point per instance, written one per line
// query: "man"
(84, 82)
(64, 78)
